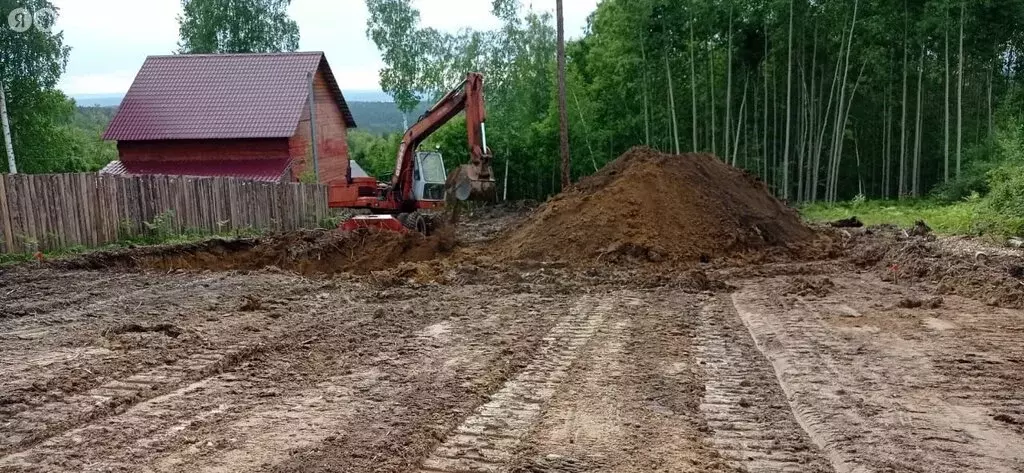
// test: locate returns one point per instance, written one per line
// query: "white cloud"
(94, 84)
(111, 38)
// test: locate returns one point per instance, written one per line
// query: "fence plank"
(53, 211)
(5, 219)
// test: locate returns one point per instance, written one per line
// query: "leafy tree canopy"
(31, 63)
(236, 26)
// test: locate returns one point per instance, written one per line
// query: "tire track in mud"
(277, 411)
(486, 441)
(34, 426)
(991, 361)
(743, 403)
(42, 308)
(26, 298)
(31, 427)
(878, 401)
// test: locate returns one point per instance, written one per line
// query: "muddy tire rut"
(881, 388)
(743, 403)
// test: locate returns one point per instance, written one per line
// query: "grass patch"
(970, 217)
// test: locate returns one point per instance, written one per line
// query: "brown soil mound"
(307, 252)
(997, 280)
(657, 207)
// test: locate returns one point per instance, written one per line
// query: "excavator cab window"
(429, 176)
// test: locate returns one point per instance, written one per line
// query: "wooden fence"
(53, 211)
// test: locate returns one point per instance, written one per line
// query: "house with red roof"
(253, 116)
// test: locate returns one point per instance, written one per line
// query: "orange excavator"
(419, 183)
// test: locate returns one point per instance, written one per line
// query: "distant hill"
(382, 117)
(378, 117)
(98, 100)
(366, 96)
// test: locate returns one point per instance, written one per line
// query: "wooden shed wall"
(203, 150)
(332, 135)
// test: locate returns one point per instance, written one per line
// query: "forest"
(822, 100)
(825, 101)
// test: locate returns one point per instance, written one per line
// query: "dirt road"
(530, 368)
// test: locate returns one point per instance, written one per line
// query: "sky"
(111, 38)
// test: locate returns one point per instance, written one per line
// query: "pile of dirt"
(650, 206)
(902, 258)
(306, 252)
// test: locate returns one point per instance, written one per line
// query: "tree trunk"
(960, 93)
(916, 181)
(563, 107)
(846, 118)
(5, 123)
(672, 105)
(728, 89)
(789, 112)
(945, 128)
(739, 126)
(812, 119)
(647, 104)
(764, 173)
(886, 144)
(837, 143)
(824, 126)
(711, 97)
(991, 128)
(903, 120)
(802, 132)
(756, 127)
(693, 88)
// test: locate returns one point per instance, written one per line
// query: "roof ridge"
(294, 53)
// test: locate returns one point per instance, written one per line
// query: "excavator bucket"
(465, 183)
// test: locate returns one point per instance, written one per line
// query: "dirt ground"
(468, 365)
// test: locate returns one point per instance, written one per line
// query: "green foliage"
(962, 218)
(330, 222)
(308, 177)
(394, 27)
(376, 154)
(1006, 179)
(236, 26)
(31, 63)
(161, 227)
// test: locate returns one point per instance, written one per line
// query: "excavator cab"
(429, 177)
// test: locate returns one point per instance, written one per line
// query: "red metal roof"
(220, 96)
(266, 170)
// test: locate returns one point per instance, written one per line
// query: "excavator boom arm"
(468, 97)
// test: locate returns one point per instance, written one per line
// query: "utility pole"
(6, 123)
(563, 107)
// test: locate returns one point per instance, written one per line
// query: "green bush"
(1005, 200)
